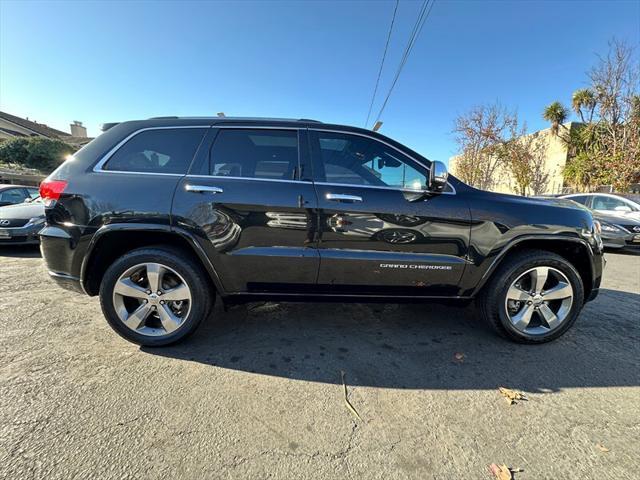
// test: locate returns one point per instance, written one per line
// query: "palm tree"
(556, 114)
(584, 99)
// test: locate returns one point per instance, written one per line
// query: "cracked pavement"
(256, 392)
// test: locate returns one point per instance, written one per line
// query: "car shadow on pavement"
(419, 346)
(20, 251)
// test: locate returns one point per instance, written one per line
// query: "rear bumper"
(67, 282)
(59, 251)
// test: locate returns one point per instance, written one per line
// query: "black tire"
(493, 296)
(190, 270)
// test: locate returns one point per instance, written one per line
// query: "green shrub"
(41, 153)
(14, 150)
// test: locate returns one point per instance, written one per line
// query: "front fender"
(479, 274)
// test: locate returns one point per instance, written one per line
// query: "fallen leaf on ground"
(501, 472)
(512, 396)
(459, 356)
(603, 448)
(346, 398)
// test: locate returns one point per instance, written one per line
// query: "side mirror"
(438, 176)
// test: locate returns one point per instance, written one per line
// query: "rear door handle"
(341, 197)
(202, 189)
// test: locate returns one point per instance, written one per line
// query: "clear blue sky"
(109, 61)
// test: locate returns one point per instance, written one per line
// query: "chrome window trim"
(315, 129)
(98, 166)
(409, 190)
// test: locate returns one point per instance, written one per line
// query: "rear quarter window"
(166, 150)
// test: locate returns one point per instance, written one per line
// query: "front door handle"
(202, 189)
(341, 197)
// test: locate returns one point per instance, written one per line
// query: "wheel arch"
(575, 250)
(114, 240)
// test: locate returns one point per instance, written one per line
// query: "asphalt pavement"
(257, 392)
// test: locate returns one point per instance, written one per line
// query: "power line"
(384, 55)
(425, 10)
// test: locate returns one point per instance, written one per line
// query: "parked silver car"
(20, 223)
(626, 205)
(619, 216)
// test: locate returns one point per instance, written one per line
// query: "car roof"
(591, 194)
(631, 197)
(132, 125)
(6, 186)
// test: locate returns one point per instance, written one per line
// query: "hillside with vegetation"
(33, 155)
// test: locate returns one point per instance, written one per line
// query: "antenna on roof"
(221, 114)
(377, 126)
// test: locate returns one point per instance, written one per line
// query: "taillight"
(51, 190)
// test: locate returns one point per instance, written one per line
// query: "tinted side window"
(255, 153)
(13, 195)
(600, 202)
(580, 199)
(158, 151)
(356, 160)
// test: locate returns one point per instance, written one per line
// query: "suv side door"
(249, 201)
(378, 232)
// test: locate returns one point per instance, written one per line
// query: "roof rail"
(172, 117)
(308, 120)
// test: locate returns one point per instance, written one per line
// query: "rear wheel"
(155, 296)
(534, 297)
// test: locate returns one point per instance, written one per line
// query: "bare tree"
(523, 156)
(539, 174)
(479, 133)
(605, 148)
(615, 83)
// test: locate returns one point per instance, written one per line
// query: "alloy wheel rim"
(152, 299)
(539, 300)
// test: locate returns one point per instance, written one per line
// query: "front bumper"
(27, 235)
(621, 240)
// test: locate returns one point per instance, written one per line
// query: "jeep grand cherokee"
(158, 216)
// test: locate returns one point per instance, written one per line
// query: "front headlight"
(609, 227)
(35, 221)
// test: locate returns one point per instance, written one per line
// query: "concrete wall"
(554, 161)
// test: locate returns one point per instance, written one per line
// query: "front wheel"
(534, 297)
(155, 296)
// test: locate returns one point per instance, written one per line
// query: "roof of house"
(38, 128)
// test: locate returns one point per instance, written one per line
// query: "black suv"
(158, 216)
